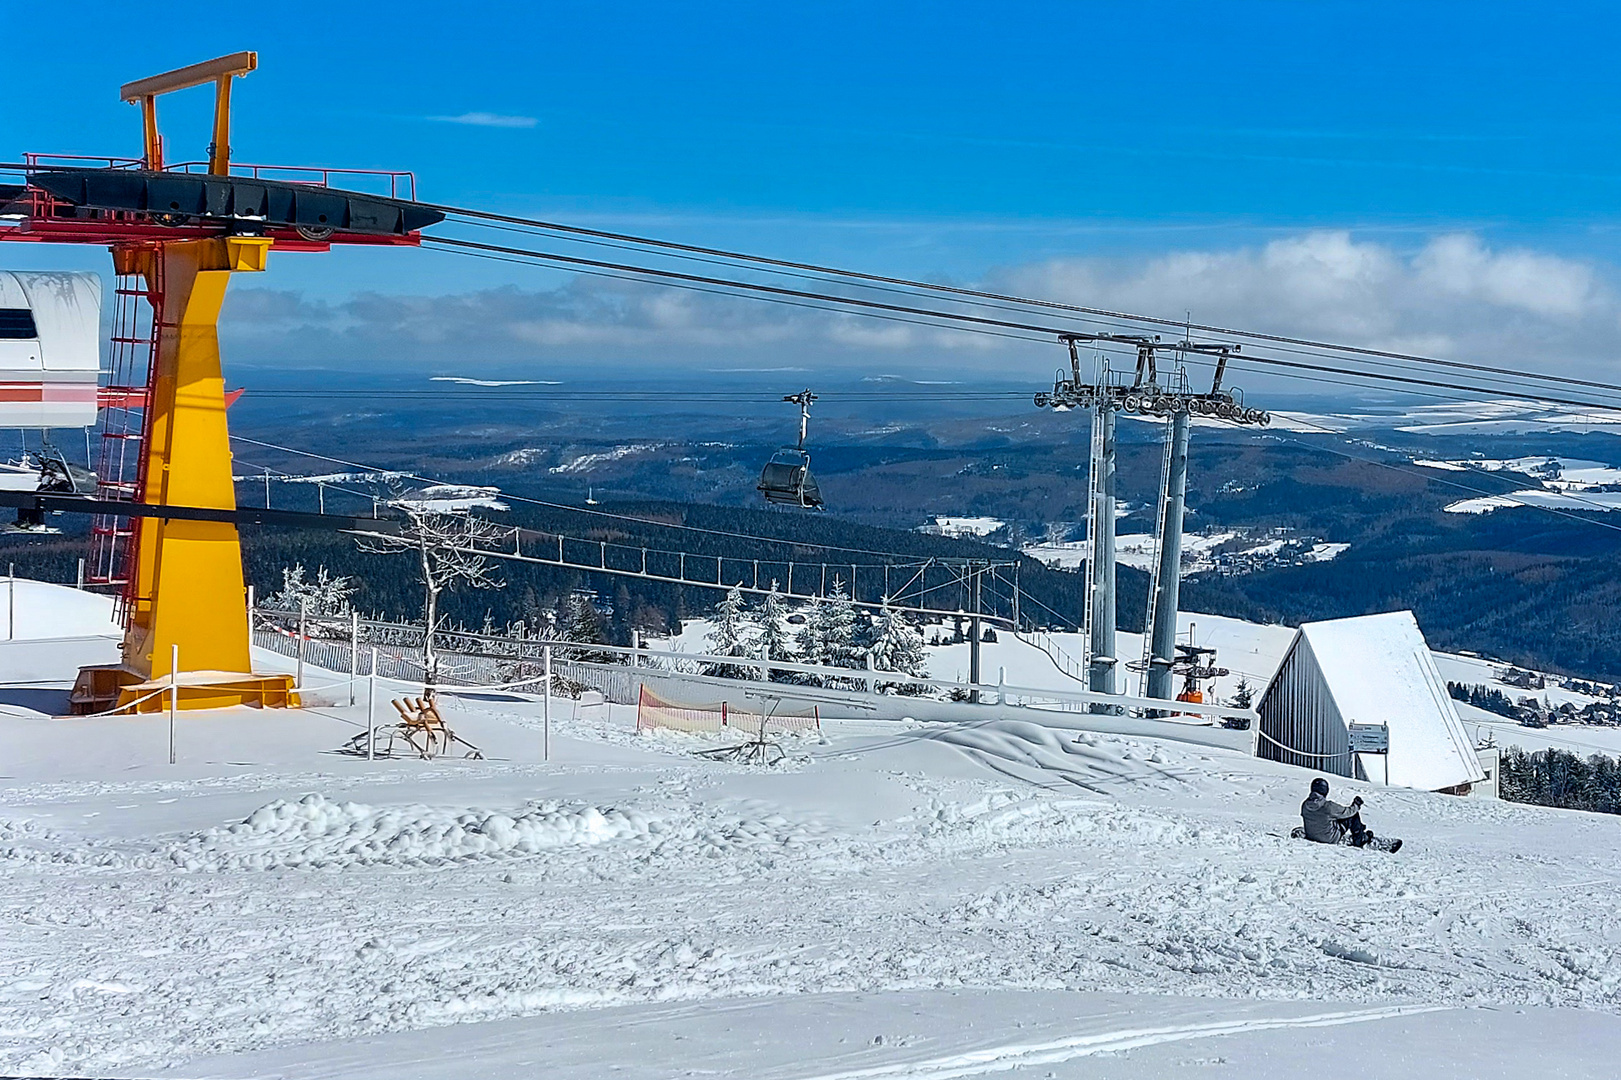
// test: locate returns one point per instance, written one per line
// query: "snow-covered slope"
(895, 900)
(41, 610)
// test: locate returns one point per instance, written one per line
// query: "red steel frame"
(138, 315)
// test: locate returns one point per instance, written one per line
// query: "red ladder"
(120, 471)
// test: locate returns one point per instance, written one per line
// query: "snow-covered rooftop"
(1379, 670)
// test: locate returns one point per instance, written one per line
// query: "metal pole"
(354, 652)
(174, 694)
(303, 610)
(974, 633)
(1016, 623)
(1163, 632)
(371, 708)
(320, 495)
(11, 601)
(546, 709)
(79, 584)
(1101, 677)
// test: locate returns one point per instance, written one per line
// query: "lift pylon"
(181, 231)
(185, 577)
(1145, 395)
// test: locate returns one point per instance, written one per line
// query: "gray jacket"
(1323, 819)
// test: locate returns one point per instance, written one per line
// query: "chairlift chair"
(786, 479)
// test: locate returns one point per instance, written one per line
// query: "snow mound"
(316, 832)
(1050, 757)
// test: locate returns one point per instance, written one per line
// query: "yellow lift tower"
(177, 233)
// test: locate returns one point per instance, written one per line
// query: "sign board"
(1370, 739)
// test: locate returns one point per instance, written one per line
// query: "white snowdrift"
(316, 832)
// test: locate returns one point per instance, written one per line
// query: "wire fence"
(465, 659)
(516, 662)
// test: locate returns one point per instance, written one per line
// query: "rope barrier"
(117, 710)
(1301, 753)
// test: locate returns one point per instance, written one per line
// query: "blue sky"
(978, 142)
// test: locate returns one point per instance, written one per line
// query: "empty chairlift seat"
(50, 329)
(787, 480)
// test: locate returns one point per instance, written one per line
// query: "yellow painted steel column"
(188, 587)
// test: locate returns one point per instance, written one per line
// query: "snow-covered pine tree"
(1243, 694)
(809, 640)
(842, 630)
(580, 621)
(775, 642)
(733, 635)
(326, 597)
(832, 635)
(897, 646)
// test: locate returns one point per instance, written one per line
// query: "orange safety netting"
(654, 712)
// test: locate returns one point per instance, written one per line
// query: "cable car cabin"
(787, 480)
(50, 329)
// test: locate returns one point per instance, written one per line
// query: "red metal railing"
(80, 161)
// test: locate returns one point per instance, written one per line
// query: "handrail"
(402, 182)
(868, 675)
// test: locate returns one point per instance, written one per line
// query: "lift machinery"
(177, 233)
(1148, 392)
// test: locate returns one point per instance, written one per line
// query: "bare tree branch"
(446, 546)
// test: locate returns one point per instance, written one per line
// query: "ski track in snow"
(1072, 861)
(1009, 1058)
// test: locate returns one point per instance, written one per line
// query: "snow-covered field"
(1198, 551)
(1564, 483)
(897, 900)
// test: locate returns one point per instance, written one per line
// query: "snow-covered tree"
(446, 546)
(775, 641)
(581, 621)
(326, 597)
(831, 635)
(733, 635)
(1243, 694)
(897, 646)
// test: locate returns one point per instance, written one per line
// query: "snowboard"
(1378, 843)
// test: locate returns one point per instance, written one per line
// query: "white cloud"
(487, 119)
(1453, 296)
(1541, 284)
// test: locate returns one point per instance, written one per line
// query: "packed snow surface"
(898, 899)
(38, 609)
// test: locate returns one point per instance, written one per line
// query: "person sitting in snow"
(1328, 822)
